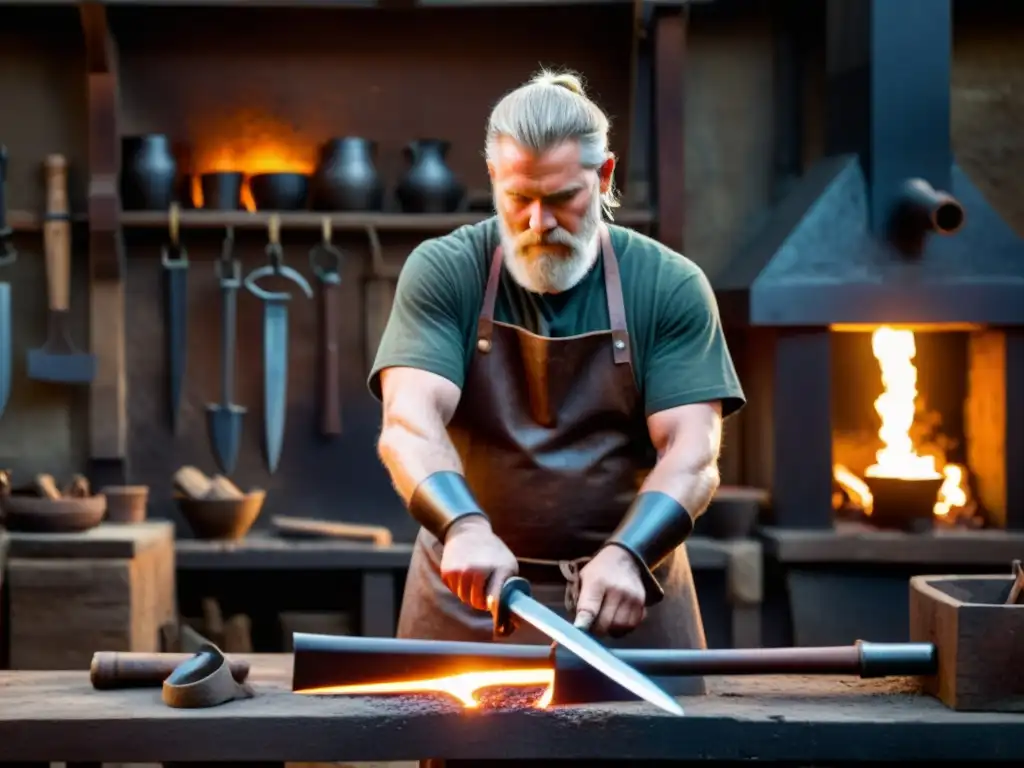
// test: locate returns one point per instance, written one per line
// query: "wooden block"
(978, 638)
(102, 542)
(73, 595)
(745, 580)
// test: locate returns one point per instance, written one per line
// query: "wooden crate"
(980, 640)
(108, 589)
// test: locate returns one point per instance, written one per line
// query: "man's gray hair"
(551, 109)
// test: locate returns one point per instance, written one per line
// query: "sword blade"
(590, 650)
(275, 377)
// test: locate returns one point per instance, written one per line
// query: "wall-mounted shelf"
(27, 221)
(382, 222)
(369, 4)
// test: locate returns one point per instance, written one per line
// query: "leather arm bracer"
(440, 500)
(654, 526)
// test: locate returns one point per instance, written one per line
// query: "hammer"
(59, 359)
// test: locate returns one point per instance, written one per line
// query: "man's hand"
(475, 561)
(612, 594)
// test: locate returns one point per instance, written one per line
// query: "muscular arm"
(414, 441)
(688, 439)
(690, 384)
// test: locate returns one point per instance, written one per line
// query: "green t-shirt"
(679, 351)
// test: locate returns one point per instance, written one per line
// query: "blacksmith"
(534, 367)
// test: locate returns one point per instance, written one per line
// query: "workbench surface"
(57, 716)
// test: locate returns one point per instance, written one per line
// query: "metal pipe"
(928, 207)
(327, 660)
(862, 659)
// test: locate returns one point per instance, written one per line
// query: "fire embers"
(494, 689)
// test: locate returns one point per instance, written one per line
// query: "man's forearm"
(690, 482)
(413, 452)
(426, 470)
(675, 493)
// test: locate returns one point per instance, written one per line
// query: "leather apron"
(552, 438)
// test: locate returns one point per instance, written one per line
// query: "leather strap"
(613, 293)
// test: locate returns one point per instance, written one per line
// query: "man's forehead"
(513, 159)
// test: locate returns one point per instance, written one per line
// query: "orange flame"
(896, 407)
(463, 687)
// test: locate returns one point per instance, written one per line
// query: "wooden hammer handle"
(57, 233)
(111, 670)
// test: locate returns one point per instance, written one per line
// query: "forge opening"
(902, 428)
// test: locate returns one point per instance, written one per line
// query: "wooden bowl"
(733, 512)
(225, 519)
(32, 514)
(126, 503)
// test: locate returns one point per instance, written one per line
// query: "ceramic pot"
(346, 178)
(222, 190)
(280, 191)
(429, 185)
(148, 173)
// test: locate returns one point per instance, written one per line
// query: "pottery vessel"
(429, 185)
(346, 178)
(222, 190)
(148, 173)
(280, 191)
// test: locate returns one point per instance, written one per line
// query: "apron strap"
(616, 305)
(485, 323)
(613, 294)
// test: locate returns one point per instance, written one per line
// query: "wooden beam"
(108, 406)
(635, 168)
(670, 161)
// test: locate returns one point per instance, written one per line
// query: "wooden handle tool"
(111, 670)
(57, 233)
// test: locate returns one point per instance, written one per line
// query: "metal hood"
(885, 229)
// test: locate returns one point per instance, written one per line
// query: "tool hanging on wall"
(59, 359)
(275, 340)
(7, 257)
(224, 419)
(378, 297)
(326, 262)
(174, 258)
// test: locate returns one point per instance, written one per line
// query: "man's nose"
(541, 219)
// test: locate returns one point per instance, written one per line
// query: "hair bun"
(565, 80)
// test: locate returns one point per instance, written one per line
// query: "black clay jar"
(280, 191)
(346, 178)
(148, 173)
(222, 190)
(429, 185)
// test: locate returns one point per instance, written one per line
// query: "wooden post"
(634, 170)
(670, 161)
(108, 406)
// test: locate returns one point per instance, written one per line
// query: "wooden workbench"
(57, 716)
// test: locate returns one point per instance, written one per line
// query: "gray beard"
(540, 271)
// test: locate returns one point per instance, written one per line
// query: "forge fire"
(492, 689)
(907, 469)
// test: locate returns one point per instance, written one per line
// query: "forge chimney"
(886, 228)
(888, 67)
